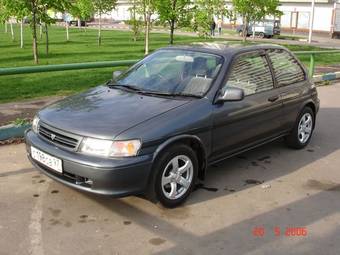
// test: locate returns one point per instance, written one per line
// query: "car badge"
(52, 136)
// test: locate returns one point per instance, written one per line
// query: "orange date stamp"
(261, 231)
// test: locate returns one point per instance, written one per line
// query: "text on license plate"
(47, 160)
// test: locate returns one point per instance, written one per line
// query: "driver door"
(238, 125)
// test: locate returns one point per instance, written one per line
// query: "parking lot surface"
(245, 206)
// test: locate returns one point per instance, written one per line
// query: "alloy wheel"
(177, 177)
(305, 127)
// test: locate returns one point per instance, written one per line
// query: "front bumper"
(115, 177)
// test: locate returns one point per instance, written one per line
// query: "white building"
(296, 14)
(121, 12)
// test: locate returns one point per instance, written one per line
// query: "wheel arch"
(194, 143)
(311, 105)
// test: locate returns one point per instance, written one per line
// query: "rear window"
(286, 68)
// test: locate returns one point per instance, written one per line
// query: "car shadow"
(269, 163)
(238, 238)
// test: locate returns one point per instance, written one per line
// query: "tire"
(303, 130)
(172, 187)
(261, 35)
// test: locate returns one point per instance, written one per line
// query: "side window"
(252, 74)
(286, 68)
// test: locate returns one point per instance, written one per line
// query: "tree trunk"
(47, 42)
(100, 30)
(244, 29)
(22, 34)
(172, 30)
(135, 22)
(40, 30)
(6, 27)
(172, 24)
(79, 23)
(12, 31)
(67, 32)
(147, 33)
(34, 34)
(254, 30)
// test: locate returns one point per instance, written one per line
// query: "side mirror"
(231, 94)
(115, 74)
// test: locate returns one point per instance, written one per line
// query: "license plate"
(47, 160)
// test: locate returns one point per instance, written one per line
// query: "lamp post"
(311, 22)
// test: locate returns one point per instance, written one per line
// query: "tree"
(45, 19)
(83, 10)
(255, 10)
(3, 14)
(36, 10)
(101, 7)
(6, 12)
(141, 12)
(135, 20)
(174, 13)
(147, 9)
(204, 13)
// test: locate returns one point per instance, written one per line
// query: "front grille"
(58, 137)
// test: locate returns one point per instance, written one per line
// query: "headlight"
(125, 148)
(109, 148)
(35, 124)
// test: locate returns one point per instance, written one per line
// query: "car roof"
(224, 49)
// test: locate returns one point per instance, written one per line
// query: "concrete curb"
(326, 77)
(12, 131)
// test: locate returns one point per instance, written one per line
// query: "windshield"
(173, 72)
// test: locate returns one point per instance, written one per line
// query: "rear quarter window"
(287, 70)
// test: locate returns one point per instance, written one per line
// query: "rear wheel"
(175, 175)
(303, 130)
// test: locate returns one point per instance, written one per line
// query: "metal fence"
(312, 54)
(64, 67)
(94, 65)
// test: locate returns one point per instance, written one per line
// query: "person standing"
(219, 26)
(212, 27)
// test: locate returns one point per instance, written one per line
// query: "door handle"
(273, 98)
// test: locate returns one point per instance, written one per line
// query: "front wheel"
(176, 173)
(261, 35)
(303, 130)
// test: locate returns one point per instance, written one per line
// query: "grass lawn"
(82, 47)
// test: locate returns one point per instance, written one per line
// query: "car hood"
(105, 113)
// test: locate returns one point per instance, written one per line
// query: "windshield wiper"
(118, 86)
(186, 95)
(169, 94)
(151, 92)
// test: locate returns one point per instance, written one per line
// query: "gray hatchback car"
(155, 128)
